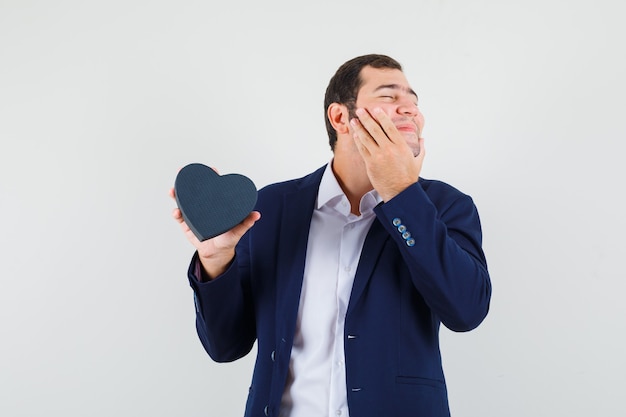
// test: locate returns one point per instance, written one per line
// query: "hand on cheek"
(391, 166)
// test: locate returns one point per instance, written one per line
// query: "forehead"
(375, 78)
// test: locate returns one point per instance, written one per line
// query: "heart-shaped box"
(212, 204)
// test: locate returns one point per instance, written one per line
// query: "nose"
(406, 107)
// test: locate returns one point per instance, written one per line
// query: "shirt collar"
(331, 194)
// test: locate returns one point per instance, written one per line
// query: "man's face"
(389, 90)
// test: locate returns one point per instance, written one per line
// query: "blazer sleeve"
(438, 232)
(224, 314)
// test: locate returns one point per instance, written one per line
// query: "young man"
(344, 276)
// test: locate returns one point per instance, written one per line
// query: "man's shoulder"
(437, 185)
(297, 194)
(441, 191)
(293, 185)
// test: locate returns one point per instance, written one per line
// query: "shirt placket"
(345, 276)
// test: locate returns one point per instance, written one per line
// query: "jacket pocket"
(411, 380)
(420, 396)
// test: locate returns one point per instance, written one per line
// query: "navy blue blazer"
(404, 287)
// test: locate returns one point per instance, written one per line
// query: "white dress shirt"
(316, 384)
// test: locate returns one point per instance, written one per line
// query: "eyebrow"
(396, 87)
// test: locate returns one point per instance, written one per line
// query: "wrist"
(213, 267)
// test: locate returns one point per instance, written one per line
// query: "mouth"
(409, 128)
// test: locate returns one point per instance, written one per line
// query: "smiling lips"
(407, 127)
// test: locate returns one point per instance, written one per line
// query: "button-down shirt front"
(316, 384)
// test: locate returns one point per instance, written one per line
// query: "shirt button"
(410, 242)
(402, 228)
(266, 410)
(406, 235)
(396, 221)
(338, 412)
(273, 355)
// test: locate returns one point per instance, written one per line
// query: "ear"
(339, 118)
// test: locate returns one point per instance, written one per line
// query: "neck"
(352, 178)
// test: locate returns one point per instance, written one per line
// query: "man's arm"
(224, 313)
(439, 236)
(444, 250)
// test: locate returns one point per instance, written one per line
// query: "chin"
(413, 143)
(415, 148)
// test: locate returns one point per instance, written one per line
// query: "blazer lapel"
(294, 234)
(372, 248)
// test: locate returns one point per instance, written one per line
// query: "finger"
(362, 139)
(361, 148)
(388, 127)
(172, 193)
(246, 224)
(177, 215)
(371, 126)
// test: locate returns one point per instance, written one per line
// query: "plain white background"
(101, 102)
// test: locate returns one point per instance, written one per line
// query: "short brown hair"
(345, 84)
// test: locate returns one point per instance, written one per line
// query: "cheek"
(419, 120)
(389, 110)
